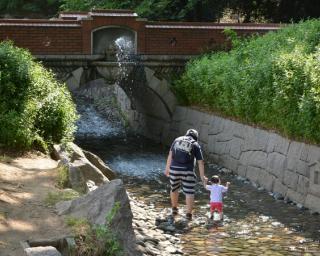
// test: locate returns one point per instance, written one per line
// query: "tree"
(32, 9)
(175, 10)
(188, 10)
(275, 10)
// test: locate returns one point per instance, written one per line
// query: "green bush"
(35, 109)
(271, 80)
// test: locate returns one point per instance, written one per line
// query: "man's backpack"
(182, 151)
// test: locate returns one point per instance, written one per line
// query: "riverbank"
(254, 219)
(25, 182)
(26, 214)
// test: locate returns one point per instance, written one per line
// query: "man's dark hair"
(215, 179)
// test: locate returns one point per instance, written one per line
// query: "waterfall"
(96, 103)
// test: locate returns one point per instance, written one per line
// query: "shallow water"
(255, 223)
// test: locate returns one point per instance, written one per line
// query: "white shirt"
(216, 192)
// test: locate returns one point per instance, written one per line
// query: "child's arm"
(226, 187)
(205, 182)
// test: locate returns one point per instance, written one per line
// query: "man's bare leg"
(189, 203)
(174, 198)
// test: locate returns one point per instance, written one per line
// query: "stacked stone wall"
(285, 167)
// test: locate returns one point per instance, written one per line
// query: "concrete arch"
(148, 103)
(103, 38)
(148, 93)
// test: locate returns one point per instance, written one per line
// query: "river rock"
(96, 161)
(151, 239)
(94, 207)
(42, 251)
(81, 169)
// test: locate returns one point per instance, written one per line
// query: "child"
(216, 194)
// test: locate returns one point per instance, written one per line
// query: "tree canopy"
(178, 10)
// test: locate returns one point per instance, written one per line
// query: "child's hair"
(215, 179)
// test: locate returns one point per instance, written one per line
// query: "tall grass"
(271, 80)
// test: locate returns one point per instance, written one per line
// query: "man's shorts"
(186, 178)
(216, 206)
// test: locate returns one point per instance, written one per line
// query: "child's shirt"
(216, 192)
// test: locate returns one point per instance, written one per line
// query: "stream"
(255, 223)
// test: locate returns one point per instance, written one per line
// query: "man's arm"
(201, 171)
(169, 159)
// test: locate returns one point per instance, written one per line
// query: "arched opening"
(109, 41)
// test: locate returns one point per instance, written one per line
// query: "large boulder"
(81, 169)
(94, 207)
(96, 161)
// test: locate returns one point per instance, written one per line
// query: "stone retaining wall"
(280, 165)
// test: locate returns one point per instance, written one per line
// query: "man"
(183, 154)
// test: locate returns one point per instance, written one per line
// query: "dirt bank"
(25, 182)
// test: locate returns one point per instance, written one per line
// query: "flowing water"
(255, 223)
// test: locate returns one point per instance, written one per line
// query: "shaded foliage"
(179, 10)
(27, 8)
(35, 110)
(275, 10)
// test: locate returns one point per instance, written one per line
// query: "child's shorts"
(216, 206)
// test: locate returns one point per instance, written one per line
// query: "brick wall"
(42, 40)
(71, 34)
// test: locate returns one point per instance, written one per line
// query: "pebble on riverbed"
(156, 234)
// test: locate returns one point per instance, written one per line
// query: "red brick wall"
(193, 38)
(69, 36)
(185, 41)
(44, 40)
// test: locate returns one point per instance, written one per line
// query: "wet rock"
(225, 171)
(240, 178)
(167, 226)
(278, 196)
(151, 239)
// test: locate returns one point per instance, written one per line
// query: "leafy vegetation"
(64, 195)
(273, 81)
(35, 109)
(96, 240)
